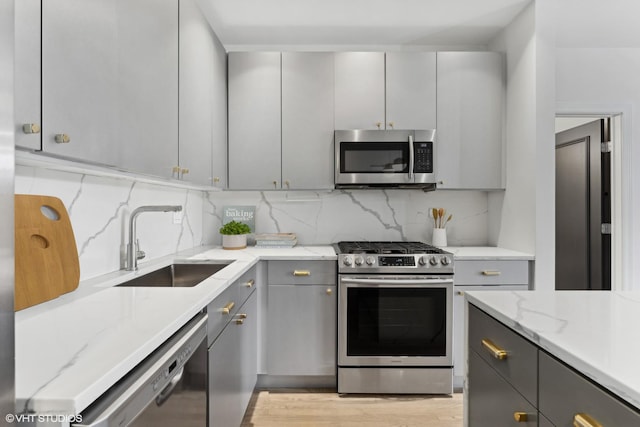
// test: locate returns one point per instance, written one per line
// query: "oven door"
(395, 321)
(392, 157)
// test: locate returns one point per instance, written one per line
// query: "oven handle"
(411, 157)
(397, 281)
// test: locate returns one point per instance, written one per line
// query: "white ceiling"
(360, 22)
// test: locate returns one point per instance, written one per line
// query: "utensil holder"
(439, 237)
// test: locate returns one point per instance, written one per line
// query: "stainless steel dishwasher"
(168, 388)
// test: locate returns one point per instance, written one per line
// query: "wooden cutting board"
(46, 255)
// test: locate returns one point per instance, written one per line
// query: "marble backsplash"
(99, 208)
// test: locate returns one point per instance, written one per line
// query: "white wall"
(605, 80)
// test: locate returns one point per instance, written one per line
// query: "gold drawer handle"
(301, 273)
(241, 315)
(227, 308)
(490, 272)
(521, 417)
(584, 420)
(239, 321)
(250, 283)
(495, 351)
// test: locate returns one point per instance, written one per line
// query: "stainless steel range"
(395, 313)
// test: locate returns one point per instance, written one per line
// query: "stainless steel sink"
(178, 275)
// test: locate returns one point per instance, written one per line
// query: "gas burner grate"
(391, 247)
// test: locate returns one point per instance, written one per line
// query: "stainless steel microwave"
(385, 158)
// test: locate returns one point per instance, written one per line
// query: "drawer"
(565, 393)
(492, 401)
(226, 305)
(491, 272)
(518, 366)
(302, 272)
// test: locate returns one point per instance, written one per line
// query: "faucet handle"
(139, 253)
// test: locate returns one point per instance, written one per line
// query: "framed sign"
(244, 214)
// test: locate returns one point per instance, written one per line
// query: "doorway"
(583, 205)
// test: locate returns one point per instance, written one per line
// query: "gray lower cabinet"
(233, 367)
(301, 319)
(510, 376)
(492, 401)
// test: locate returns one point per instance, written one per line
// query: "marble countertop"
(72, 349)
(595, 332)
(482, 253)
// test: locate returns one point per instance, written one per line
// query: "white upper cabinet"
(27, 76)
(254, 121)
(469, 135)
(203, 100)
(307, 120)
(359, 90)
(374, 90)
(411, 90)
(110, 82)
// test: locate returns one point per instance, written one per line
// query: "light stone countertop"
(595, 332)
(70, 350)
(485, 253)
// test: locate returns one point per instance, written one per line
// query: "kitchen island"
(571, 351)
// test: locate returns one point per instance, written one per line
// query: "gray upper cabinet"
(396, 90)
(27, 77)
(359, 90)
(254, 120)
(307, 120)
(110, 82)
(411, 90)
(203, 100)
(469, 136)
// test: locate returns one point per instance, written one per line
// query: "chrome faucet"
(133, 247)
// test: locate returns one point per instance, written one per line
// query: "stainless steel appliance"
(384, 158)
(168, 388)
(395, 314)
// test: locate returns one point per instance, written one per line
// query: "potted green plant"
(234, 235)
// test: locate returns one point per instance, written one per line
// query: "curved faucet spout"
(132, 249)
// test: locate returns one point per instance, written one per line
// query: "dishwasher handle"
(168, 390)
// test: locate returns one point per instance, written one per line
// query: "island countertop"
(594, 332)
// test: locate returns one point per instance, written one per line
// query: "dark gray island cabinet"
(512, 381)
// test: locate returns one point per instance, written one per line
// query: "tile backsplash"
(99, 208)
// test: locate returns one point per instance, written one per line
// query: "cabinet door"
(248, 351)
(491, 400)
(359, 90)
(202, 98)
(254, 121)
(301, 330)
(469, 136)
(27, 73)
(307, 120)
(411, 90)
(79, 78)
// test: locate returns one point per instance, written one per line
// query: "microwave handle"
(411, 155)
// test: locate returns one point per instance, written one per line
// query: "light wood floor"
(319, 408)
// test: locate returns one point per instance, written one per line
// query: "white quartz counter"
(483, 253)
(595, 332)
(72, 349)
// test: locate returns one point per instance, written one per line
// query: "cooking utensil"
(46, 257)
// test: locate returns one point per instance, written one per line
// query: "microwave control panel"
(423, 162)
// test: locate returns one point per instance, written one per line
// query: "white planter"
(234, 241)
(439, 237)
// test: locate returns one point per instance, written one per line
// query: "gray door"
(583, 252)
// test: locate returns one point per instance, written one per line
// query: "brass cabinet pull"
(521, 417)
(62, 138)
(227, 308)
(239, 321)
(176, 169)
(391, 125)
(184, 170)
(301, 273)
(241, 315)
(31, 128)
(490, 273)
(329, 291)
(585, 420)
(379, 124)
(495, 351)
(250, 283)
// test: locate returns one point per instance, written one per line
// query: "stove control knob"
(347, 261)
(423, 260)
(433, 261)
(445, 260)
(359, 260)
(371, 260)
